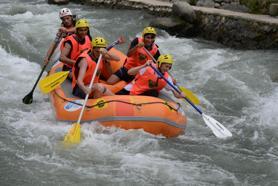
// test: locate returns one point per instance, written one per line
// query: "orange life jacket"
(77, 48)
(140, 57)
(91, 66)
(149, 80)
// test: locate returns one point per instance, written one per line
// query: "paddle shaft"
(113, 44)
(44, 66)
(90, 86)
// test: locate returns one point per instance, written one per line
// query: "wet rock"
(239, 33)
(273, 9)
(235, 7)
(184, 11)
(274, 77)
(175, 26)
(58, 2)
(206, 3)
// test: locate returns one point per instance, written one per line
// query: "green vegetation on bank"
(257, 6)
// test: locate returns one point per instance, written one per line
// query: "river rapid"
(235, 87)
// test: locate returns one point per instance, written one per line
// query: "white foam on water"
(15, 73)
(269, 109)
(164, 169)
(125, 156)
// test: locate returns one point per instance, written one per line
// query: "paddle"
(50, 82)
(189, 94)
(73, 136)
(217, 128)
(28, 99)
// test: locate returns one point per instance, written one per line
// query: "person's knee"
(96, 87)
(113, 79)
(99, 88)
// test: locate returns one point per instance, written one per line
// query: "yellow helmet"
(82, 23)
(99, 42)
(165, 59)
(149, 30)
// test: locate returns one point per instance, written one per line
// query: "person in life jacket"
(85, 67)
(75, 44)
(147, 81)
(136, 55)
(67, 28)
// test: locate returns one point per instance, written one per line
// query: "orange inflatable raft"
(158, 116)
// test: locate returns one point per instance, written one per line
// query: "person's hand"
(46, 60)
(63, 30)
(121, 39)
(148, 63)
(174, 81)
(58, 35)
(181, 95)
(87, 90)
(140, 44)
(103, 51)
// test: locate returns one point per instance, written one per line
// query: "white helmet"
(64, 12)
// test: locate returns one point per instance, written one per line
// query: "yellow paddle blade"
(73, 136)
(190, 95)
(49, 83)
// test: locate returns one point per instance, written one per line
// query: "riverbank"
(232, 29)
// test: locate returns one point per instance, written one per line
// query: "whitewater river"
(235, 87)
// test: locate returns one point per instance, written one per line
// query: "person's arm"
(108, 55)
(52, 47)
(108, 67)
(64, 53)
(133, 46)
(82, 71)
(133, 71)
(71, 30)
(175, 93)
(66, 30)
